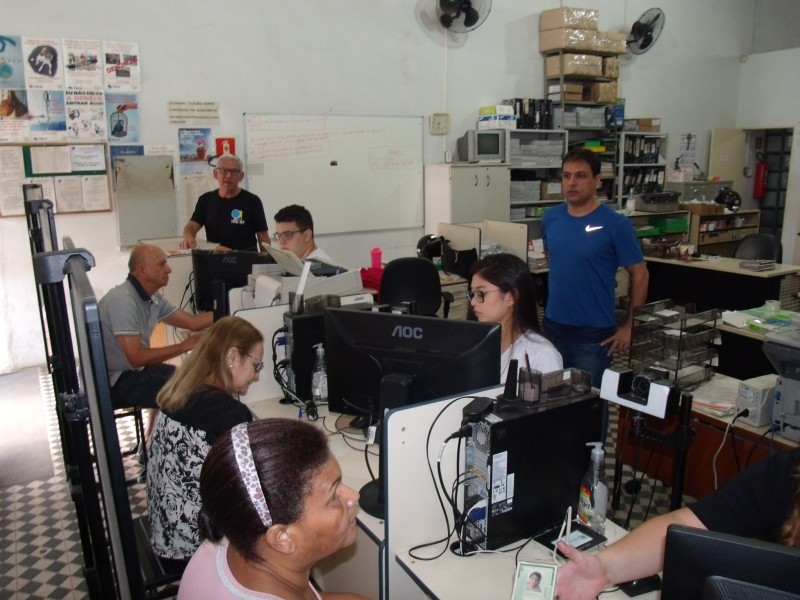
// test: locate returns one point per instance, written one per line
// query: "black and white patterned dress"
(179, 445)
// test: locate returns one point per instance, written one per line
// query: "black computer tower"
(524, 466)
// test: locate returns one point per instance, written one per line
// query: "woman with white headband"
(273, 505)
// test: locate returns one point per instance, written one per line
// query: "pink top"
(209, 576)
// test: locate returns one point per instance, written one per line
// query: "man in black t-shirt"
(234, 218)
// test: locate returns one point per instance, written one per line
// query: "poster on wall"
(44, 65)
(47, 116)
(195, 146)
(12, 68)
(121, 66)
(122, 117)
(84, 69)
(86, 115)
(14, 122)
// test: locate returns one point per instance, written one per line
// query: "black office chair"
(760, 246)
(416, 280)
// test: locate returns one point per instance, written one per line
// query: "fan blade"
(446, 21)
(450, 7)
(471, 17)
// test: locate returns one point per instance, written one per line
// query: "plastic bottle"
(593, 498)
(319, 377)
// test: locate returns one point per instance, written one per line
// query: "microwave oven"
(484, 146)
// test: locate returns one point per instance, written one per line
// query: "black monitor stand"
(394, 393)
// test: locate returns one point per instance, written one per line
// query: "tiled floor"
(40, 551)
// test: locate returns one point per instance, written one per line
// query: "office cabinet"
(641, 164)
(465, 193)
(720, 234)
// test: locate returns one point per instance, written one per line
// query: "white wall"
(379, 57)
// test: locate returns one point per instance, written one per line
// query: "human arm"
(190, 231)
(638, 554)
(637, 296)
(263, 238)
(139, 356)
(183, 320)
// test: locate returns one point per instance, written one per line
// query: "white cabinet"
(465, 193)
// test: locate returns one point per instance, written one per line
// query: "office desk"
(485, 575)
(741, 353)
(751, 445)
(720, 283)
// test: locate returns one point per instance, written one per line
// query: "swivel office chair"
(414, 279)
(760, 246)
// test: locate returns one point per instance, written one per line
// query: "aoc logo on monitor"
(408, 332)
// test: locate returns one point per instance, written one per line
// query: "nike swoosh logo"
(593, 227)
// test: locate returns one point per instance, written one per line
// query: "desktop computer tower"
(524, 465)
(303, 332)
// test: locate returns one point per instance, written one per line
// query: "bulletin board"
(73, 176)
(354, 173)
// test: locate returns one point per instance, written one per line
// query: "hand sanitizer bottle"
(319, 377)
(593, 498)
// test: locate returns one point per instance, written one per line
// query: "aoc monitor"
(693, 556)
(406, 358)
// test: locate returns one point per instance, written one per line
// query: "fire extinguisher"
(760, 179)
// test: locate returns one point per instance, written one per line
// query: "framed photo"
(534, 581)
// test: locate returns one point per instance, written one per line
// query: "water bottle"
(319, 377)
(593, 497)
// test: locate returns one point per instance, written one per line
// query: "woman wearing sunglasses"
(501, 291)
(197, 404)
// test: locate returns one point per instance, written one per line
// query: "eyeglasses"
(224, 171)
(257, 364)
(286, 235)
(478, 295)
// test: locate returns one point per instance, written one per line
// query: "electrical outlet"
(439, 123)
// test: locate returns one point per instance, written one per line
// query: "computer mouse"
(637, 587)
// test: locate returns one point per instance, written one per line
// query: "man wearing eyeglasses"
(294, 231)
(233, 217)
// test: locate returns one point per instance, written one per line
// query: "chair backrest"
(412, 279)
(760, 246)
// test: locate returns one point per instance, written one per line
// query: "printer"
(323, 278)
(783, 351)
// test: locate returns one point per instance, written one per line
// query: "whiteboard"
(354, 173)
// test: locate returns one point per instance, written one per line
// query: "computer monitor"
(217, 272)
(380, 361)
(691, 556)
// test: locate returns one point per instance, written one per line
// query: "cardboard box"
(611, 41)
(567, 39)
(702, 208)
(611, 66)
(497, 122)
(496, 109)
(604, 92)
(578, 18)
(574, 64)
(551, 190)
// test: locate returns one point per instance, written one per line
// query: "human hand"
(191, 341)
(582, 578)
(188, 242)
(620, 341)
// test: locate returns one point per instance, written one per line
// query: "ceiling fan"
(461, 16)
(645, 31)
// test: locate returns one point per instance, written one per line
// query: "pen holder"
(529, 385)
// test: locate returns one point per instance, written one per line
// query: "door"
(466, 193)
(727, 155)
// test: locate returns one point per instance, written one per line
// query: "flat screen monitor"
(380, 361)
(217, 272)
(692, 556)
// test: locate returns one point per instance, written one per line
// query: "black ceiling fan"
(645, 31)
